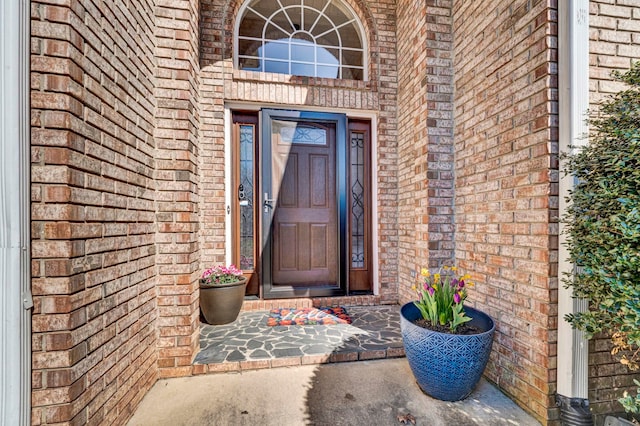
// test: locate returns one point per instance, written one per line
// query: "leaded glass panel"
(357, 200)
(294, 133)
(245, 193)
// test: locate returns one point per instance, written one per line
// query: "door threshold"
(315, 302)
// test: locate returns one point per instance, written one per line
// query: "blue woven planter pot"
(446, 366)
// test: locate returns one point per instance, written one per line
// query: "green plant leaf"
(603, 221)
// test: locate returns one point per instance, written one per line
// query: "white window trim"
(358, 22)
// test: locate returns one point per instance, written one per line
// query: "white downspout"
(15, 297)
(573, 70)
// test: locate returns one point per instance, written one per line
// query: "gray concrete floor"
(352, 393)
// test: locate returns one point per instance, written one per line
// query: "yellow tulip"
(424, 272)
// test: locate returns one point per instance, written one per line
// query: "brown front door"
(303, 214)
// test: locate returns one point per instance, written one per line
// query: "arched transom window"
(316, 38)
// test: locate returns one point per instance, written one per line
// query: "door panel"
(303, 245)
(321, 181)
(288, 191)
(320, 246)
(287, 240)
(305, 209)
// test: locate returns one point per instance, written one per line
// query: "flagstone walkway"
(248, 343)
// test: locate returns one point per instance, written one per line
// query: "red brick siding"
(176, 135)
(93, 210)
(412, 145)
(440, 154)
(211, 146)
(425, 139)
(220, 83)
(128, 179)
(614, 44)
(506, 185)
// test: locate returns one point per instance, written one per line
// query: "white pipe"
(15, 298)
(573, 70)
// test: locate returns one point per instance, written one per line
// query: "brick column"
(211, 153)
(439, 121)
(93, 250)
(177, 182)
(413, 220)
(425, 139)
(506, 145)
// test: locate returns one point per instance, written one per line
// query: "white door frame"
(15, 296)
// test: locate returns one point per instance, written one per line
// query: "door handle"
(268, 202)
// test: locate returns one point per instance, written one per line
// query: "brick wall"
(93, 210)
(506, 185)
(128, 178)
(440, 148)
(176, 136)
(425, 142)
(614, 44)
(220, 83)
(412, 145)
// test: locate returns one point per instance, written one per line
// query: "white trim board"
(15, 299)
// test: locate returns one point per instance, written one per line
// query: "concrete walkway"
(352, 393)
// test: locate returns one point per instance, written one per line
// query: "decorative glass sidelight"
(245, 195)
(357, 200)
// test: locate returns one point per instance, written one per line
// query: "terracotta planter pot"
(446, 366)
(221, 304)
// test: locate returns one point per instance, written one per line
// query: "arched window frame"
(341, 4)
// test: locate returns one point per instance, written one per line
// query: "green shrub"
(603, 223)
